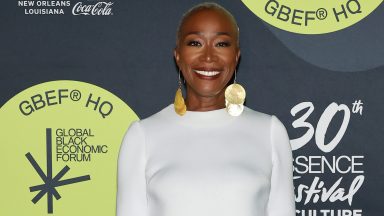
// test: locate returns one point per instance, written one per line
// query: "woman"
(202, 160)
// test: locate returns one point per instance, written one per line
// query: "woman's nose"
(208, 55)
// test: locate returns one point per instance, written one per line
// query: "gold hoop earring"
(234, 98)
(179, 104)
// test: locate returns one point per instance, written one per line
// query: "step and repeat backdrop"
(74, 75)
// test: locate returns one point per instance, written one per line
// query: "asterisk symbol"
(50, 184)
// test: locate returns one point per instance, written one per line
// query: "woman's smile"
(207, 73)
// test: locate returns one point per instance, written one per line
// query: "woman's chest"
(208, 166)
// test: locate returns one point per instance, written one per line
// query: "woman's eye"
(194, 43)
(223, 44)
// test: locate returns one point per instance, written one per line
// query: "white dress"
(206, 164)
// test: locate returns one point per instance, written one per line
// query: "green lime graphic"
(59, 144)
(312, 17)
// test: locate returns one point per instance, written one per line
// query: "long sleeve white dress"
(206, 164)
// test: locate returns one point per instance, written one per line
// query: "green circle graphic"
(59, 144)
(312, 17)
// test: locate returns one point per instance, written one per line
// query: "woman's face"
(207, 52)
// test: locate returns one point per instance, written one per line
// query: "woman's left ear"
(237, 56)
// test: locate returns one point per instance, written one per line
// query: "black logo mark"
(50, 184)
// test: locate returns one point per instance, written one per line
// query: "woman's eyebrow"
(223, 33)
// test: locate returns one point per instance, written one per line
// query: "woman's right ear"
(176, 55)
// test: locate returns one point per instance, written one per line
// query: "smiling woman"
(202, 160)
(207, 52)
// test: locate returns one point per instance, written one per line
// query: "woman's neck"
(196, 102)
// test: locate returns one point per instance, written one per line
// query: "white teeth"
(207, 73)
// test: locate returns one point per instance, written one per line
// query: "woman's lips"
(207, 74)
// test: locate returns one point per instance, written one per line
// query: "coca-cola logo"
(98, 9)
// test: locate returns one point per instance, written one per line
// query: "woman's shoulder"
(254, 115)
(267, 119)
(165, 114)
(261, 118)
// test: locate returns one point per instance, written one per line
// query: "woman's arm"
(281, 199)
(131, 184)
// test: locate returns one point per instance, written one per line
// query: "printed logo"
(334, 178)
(50, 184)
(37, 7)
(87, 7)
(98, 8)
(312, 17)
(60, 142)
